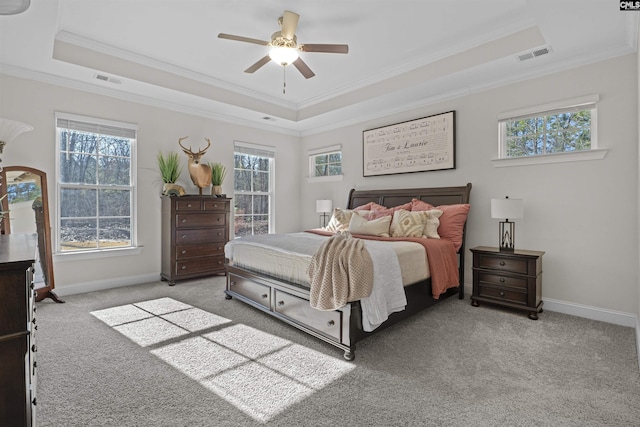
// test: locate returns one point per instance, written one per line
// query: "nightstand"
(508, 278)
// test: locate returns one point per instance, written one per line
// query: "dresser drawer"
(191, 251)
(185, 220)
(499, 280)
(188, 205)
(502, 294)
(199, 236)
(215, 206)
(511, 265)
(256, 292)
(298, 309)
(198, 265)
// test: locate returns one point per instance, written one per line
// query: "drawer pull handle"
(184, 267)
(502, 279)
(331, 323)
(215, 205)
(280, 303)
(184, 236)
(184, 252)
(189, 205)
(219, 262)
(219, 219)
(34, 348)
(233, 282)
(501, 293)
(184, 220)
(502, 263)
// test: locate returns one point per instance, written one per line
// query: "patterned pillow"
(415, 224)
(375, 227)
(339, 220)
(378, 211)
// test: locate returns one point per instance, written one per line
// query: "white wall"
(35, 103)
(584, 215)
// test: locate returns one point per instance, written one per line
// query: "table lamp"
(507, 209)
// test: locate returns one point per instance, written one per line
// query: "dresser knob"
(184, 220)
(184, 236)
(501, 293)
(502, 263)
(189, 205)
(184, 252)
(233, 282)
(34, 348)
(280, 303)
(184, 267)
(331, 323)
(502, 279)
(219, 262)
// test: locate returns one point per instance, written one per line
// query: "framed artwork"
(425, 144)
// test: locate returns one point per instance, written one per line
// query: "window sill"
(96, 254)
(576, 156)
(314, 179)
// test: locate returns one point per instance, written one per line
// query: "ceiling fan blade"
(258, 65)
(328, 48)
(289, 24)
(303, 68)
(242, 39)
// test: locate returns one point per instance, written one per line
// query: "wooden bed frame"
(343, 327)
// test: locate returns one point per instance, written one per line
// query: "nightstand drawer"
(499, 280)
(502, 294)
(511, 265)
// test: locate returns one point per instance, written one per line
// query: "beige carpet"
(154, 355)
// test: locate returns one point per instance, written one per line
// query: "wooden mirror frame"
(43, 229)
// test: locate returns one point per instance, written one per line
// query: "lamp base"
(323, 220)
(507, 231)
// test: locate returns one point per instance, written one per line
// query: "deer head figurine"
(200, 172)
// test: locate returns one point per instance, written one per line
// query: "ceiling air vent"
(534, 53)
(108, 79)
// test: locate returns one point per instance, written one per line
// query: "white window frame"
(312, 163)
(586, 102)
(240, 147)
(133, 248)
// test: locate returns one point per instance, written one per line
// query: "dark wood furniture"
(342, 328)
(508, 278)
(194, 232)
(17, 327)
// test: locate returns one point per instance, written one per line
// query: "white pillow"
(415, 224)
(376, 227)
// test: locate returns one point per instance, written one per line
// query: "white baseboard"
(101, 285)
(590, 312)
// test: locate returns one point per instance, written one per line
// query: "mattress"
(289, 262)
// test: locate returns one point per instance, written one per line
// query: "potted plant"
(218, 172)
(170, 170)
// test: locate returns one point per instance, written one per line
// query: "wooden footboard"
(290, 303)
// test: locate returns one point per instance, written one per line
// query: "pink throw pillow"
(378, 211)
(451, 222)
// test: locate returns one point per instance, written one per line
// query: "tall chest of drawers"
(17, 330)
(509, 278)
(194, 232)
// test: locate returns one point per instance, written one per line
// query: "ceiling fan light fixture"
(13, 7)
(283, 55)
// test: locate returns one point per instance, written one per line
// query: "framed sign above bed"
(425, 144)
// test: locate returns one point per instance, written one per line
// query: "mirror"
(27, 205)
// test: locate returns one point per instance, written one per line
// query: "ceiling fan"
(285, 48)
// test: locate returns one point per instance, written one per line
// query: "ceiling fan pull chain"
(284, 80)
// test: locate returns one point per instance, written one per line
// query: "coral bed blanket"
(441, 256)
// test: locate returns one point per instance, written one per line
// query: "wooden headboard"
(389, 198)
(435, 196)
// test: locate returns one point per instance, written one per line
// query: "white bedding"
(290, 260)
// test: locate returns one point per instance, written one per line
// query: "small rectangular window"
(325, 162)
(96, 166)
(555, 128)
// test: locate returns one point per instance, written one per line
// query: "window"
(564, 127)
(326, 163)
(95, 170)
(253, 188)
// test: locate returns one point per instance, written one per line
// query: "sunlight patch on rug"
(259, 373)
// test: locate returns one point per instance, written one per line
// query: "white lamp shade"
(9, 129)
(507, 208)
(283, 55)
(323, 206)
